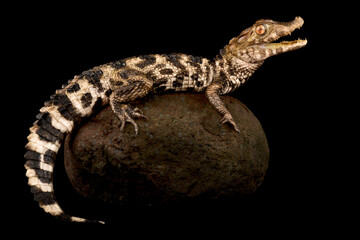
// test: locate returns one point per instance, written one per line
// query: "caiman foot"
(126, 114)
(228, 119)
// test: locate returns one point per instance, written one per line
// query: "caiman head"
(256, 43)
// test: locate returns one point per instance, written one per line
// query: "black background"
(288, 94)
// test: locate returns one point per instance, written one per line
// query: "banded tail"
(56, 119)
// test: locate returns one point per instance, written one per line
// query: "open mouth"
(287, 39)
(288, 29)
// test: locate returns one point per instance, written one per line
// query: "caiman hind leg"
(122, 96)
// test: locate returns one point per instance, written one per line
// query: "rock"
(182, 152)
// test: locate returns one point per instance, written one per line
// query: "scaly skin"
(119, 83)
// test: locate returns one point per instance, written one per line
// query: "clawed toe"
(126, 114)
(137, 113)
(229, 119)
(138, 110)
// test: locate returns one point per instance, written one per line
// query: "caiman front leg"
(119, 102)
(212, 93)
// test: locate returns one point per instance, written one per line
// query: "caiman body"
(121, 82)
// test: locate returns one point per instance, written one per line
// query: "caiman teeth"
(287, 45)
(295, 41)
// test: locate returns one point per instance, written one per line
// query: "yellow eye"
(261, 29)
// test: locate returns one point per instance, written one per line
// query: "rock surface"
(182, 152)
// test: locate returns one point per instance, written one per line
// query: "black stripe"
(66, 114)
(35, 156)
(67, 104)
(43, 174)
(93, 76)
(49, 160)
(50, 153)
(64, 99)
(46, 135)
(31, 155)
(45, 198)
(44, 121)
(33, 164)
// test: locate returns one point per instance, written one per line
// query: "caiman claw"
(228, 118)
(127, 114)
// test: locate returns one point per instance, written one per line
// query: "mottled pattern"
(121, 82)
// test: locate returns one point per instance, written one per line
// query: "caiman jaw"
(283, 29)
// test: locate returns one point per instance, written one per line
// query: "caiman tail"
(56, 119)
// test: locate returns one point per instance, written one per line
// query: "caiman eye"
(261, 29)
